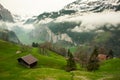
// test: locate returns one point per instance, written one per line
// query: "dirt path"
(104, 78)
(80, 78)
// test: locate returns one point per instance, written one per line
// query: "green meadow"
(49, 67)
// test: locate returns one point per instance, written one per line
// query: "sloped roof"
(102, 57)
(29, 59)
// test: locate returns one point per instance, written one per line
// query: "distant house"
(102, 57)
(28, 61)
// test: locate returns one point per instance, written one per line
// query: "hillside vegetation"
(50, 67)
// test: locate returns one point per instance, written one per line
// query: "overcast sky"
(33, 7)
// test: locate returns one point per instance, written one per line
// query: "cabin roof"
(102, 56)
(29, 59)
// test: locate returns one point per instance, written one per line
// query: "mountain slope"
(5, 15)
(83, 22)
(10, 69)
(49, 67)
(94, 5)
(84, 6)
(6, 21)
(9, 36)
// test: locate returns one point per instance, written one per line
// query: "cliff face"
(5, 15)
(9, 36)
(59, 37)
(5, 34)
(45, 34)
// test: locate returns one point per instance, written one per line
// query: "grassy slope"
(109, 70)
(11, 70)
(49, 67)
(73, 49)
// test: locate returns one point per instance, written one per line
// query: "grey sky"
(33, 7)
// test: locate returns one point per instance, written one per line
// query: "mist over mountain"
(81, 41)
(5, 32)
(9, 36)
(83, 22)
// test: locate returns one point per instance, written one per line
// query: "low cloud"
(90, 21)
(10, 26)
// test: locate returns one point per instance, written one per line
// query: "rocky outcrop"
(54, 38)
(9, 36)
(45, 34)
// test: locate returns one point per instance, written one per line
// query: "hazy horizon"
(33, 7)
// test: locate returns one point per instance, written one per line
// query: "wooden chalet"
(28, 61)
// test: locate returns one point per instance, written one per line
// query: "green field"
(49, 67)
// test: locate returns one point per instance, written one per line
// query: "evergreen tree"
(110, 54)
(93, 63)
(35, 44)
(71, 65)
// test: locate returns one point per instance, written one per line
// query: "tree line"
(86, 57)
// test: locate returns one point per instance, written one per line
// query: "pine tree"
(110, 54)
(71, 65)
(35, 44)
(93, 63)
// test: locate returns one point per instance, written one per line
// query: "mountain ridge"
(94, 5)
(5, 14)
(84, 27)
(78, 28)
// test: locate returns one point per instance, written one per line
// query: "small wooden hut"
(28, 61)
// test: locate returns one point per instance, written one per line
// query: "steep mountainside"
(5, 15)
(9, 36)
(5, 33)
(84, 6)
(85, 22)
(94, 5)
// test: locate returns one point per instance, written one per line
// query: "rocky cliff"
(9, 36)
(5, 15)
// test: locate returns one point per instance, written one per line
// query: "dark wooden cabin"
(28, 61)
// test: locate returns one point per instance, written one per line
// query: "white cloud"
(91, 21)
(93, 18)
(10, 26)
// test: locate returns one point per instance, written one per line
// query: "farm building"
(28, 61)
(102, 57)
